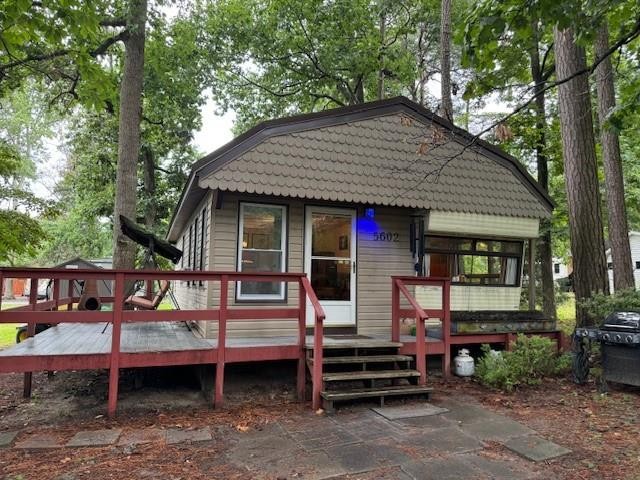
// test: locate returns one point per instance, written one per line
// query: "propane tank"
(464, 364)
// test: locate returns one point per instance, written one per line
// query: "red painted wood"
(167, 359)
(40, 363)
(318, 332)
(31, 331)
(446, 326)
(302, 326)
(421, 350)
(222, 338)
(131, 316)
(261, 313)
(395, 312)
(114, 367)
(261, 354)
(55, 317)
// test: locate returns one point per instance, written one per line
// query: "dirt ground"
(601, 430)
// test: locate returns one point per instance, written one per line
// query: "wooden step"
(364, 359)
(369, 375)
(376, 392)
(355, 343)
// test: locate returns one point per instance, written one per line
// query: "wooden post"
(56, 293)
(318, 383)
(446, 327)
(421, 353)
(70, 294)
(395, 311)
(222, 341)
(1, 288)
(532, 274)
(114, 365)
(31, 331)
(302, 328)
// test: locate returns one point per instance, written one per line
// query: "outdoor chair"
(142, 303)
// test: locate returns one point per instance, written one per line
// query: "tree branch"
(113, 22)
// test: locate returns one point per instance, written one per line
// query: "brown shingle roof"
(369, 154)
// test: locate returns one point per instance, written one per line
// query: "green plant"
(530, 359)
(599, 305)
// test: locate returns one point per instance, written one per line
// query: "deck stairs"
(356, 368)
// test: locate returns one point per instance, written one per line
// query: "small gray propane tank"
(464, 364)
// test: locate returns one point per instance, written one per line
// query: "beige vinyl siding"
(460, 223)
(377, 262)
(225, 246)
(194, 296)
(469, 298)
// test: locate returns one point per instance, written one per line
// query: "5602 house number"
(385, 236)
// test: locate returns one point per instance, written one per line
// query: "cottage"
(351, 197)
(634, 243)
(311, 239)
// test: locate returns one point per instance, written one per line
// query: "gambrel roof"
(392, 152)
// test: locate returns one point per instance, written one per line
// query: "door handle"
(354, 266)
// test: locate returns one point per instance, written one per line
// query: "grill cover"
(622, 321)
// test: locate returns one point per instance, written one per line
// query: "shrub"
(530, 359)
(599, 305)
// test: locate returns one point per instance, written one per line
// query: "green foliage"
(599, 306)
(530, 360)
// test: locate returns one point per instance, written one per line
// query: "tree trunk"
(446, 107)
(544, 242)
(149, 181)
(124, 251)
(381, 56)
(618, 228)
(580, 172)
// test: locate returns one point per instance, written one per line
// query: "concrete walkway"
(451, 440)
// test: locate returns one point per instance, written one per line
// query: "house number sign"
(386, 236)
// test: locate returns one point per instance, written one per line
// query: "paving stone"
(497, 469)
(94, 438)
(427, 423)
(362, 457)
(536, 448)
(330, 440)
(139, 437)
(465, 414)
(7, 438)
(181, 435)
(498, 429)
(443, 441)
(449, 468)
(39, 441)
(408, 411)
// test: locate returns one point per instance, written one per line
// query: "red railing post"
(421, 351)
(446, 326)
(114, 357)
(302, 328)
(318, 383)
(1, 288)
(56, 293)
(395, 311)
(222, 342)
(31, 331)
(70, 294)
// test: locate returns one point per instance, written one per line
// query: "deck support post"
(222, 342)
(532, 274)
(31, 331)
(421, 354)
(446, 328)
(318, 354)
(114, 357)
(302, 326)
(395, 311)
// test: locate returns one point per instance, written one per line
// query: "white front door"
(330, 263)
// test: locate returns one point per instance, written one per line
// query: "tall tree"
(446, 105)
(124, 250)
(578, 146)
(612, 161)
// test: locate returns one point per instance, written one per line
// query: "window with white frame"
(262, 248)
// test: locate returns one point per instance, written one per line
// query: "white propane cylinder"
(464, 364)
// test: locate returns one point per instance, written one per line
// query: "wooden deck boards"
(88, 339)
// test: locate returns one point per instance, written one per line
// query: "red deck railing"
(49, 311)
(399, 286)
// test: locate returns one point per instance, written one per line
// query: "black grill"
(619, 337)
